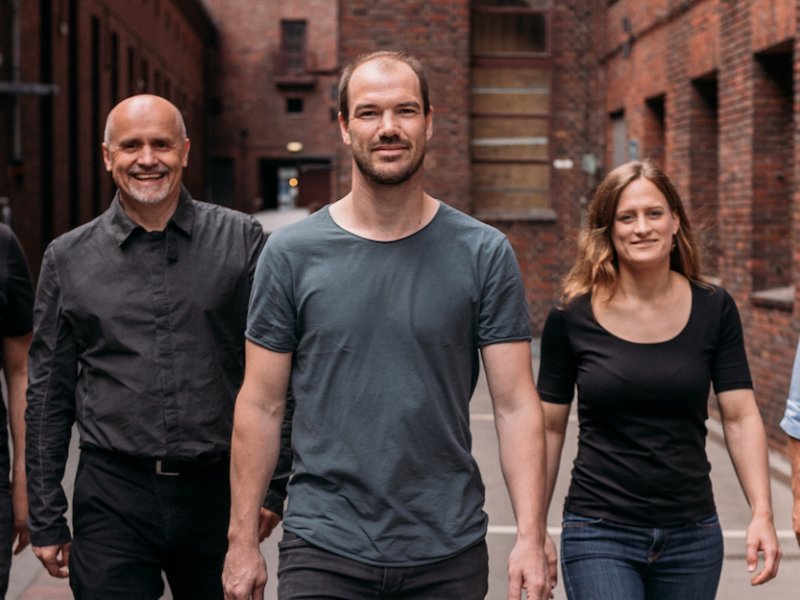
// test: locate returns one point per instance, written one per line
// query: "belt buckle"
(161, 471)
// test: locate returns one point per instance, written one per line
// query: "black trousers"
(131, 524)
(306, 572)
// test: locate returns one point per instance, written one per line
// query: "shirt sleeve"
(557, 365)
(18, 319)
(503, 310)
(52, 374)
(730, 370)
(791, 418)
(256, 239)
(271, 316)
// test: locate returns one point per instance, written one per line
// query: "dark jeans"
(618, 562)
(307, 572)
(130, 524)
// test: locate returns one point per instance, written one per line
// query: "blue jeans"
(608, 561)
(310, 573)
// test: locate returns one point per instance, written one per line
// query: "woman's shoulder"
(573, 310)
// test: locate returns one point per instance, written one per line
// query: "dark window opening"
(294, 105)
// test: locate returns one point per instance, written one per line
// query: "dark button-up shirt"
(139, 338)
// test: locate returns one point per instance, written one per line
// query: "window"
(773, 170)
(293, 46)
(704, 168)
(510, 106)
(619, 139)
(655, 128)
(294, 105)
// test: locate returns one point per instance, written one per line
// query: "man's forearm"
(254, 454)
(522, 460)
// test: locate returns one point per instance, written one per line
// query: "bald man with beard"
(138, 339)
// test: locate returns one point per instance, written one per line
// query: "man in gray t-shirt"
(376, 308)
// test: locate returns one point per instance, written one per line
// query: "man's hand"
(761, 537)
(267, 521)
(245, 573)
(54, 558)
(527, 570)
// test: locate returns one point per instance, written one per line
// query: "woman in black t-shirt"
(643, 337)
(16, 322)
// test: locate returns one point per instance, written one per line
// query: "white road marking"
(728, 534)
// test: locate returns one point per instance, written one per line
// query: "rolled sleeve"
(791, 417)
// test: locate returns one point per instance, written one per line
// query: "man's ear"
(344, 129)
(186, 146)
(106, 157)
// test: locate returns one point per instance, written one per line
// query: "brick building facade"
(534, 100)
(515, 85)
(72, 61)
(708, 88)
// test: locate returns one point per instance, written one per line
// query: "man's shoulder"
(222, 214)
(461, 221)
(306, 230)
(82, 233)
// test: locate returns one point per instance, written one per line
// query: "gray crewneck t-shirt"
(385, 339)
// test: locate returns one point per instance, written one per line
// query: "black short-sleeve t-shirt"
(642, 408)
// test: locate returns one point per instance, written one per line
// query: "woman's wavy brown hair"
(595, 269)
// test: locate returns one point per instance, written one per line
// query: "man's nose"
(146, 155)
(388, 125)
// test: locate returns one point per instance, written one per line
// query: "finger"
(53, 567)
(751, 557)
(23, 540)
(770, 570)
(65, 559)
(552, 572)
(515, 586)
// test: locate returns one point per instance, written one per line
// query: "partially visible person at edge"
(642, 336)
(139, 338)
(16, 321)
(377, 308)
(791, 425)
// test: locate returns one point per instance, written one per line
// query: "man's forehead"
(144, 126)
(378, 80)
(145, 132)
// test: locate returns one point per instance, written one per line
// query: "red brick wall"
(438, 34)
(61, 181)
(736, 173)
(253, 123)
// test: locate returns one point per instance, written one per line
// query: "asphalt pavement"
(30, 582)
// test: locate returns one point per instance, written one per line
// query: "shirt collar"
(122, 226)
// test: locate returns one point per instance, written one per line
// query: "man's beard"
(148, 196)
(388, 178)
